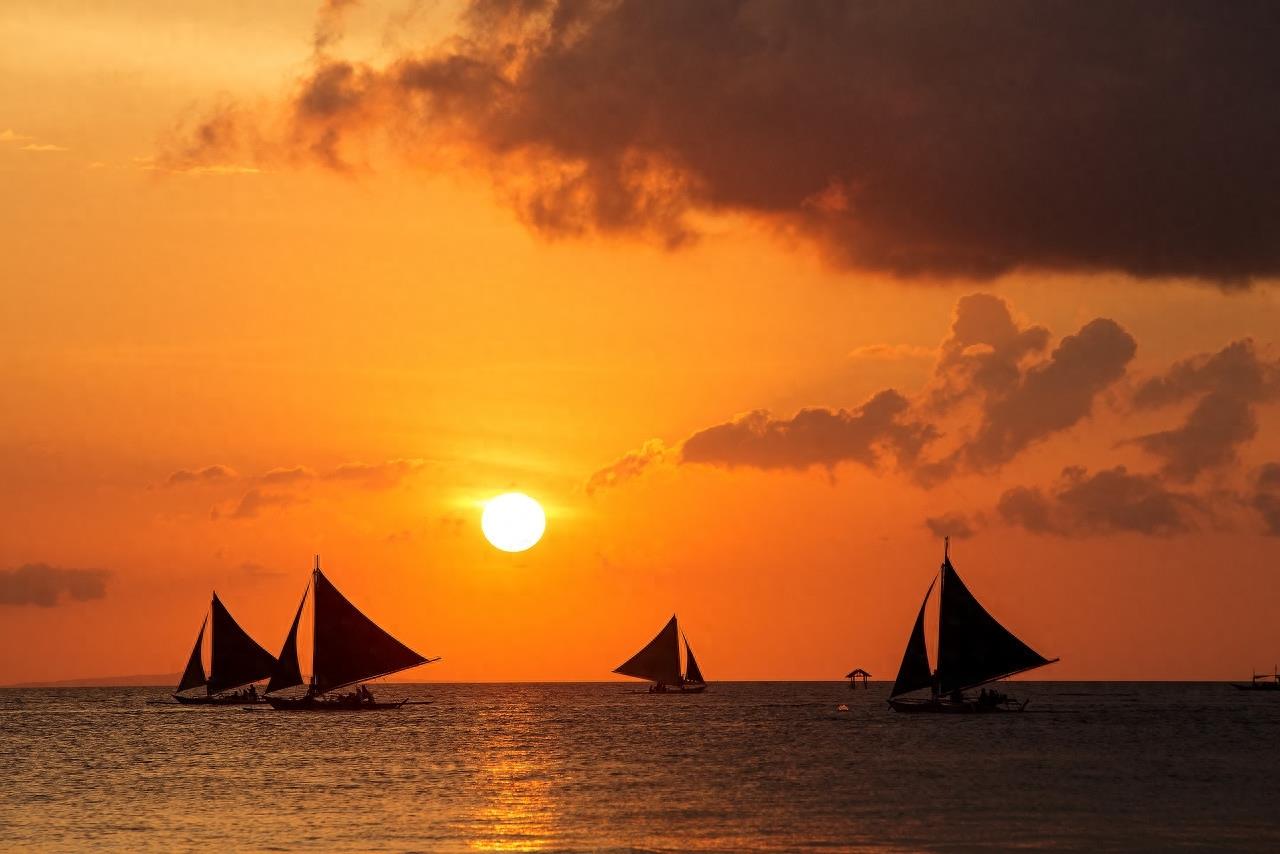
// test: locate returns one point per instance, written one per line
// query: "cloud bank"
(959, 139)
(1109, 501)
(988, 364)
(999, 389)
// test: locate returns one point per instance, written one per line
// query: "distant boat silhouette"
(659, 662)
(347, 649)
(235, 660)
(973, 649)
(1261, 682)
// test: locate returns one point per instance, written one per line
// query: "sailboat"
(347, 649)
(659, 662)
(973, 650)
(1261, 682)
(235, 660)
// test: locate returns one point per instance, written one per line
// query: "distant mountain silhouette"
(167, 680)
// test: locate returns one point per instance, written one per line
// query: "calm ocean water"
(593, 767)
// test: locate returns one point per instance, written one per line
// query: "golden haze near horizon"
(221, 358)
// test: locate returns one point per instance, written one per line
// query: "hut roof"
(858, 672)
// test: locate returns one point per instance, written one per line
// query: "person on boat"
(957, 696)
(363, 695)
(252, 693)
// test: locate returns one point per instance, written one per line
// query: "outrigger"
(659, 662)
(973, 650)
(347, 649)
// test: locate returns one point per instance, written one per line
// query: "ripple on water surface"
(767, 766)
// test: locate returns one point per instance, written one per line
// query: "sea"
(747, 766)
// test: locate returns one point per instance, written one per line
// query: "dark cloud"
(1266, 497)
(1229, 385)
(1110, 501)
(45, 586)
(917, 138)
(1217, 425)
(1052, 395)
(208, 474)
(988, 363)
(955, 525)
(813, 437)
(985, 352)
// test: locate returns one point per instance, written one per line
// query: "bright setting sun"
(513, 522)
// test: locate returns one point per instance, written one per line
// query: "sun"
(513, 522)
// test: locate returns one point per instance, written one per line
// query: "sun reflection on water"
(518, 814)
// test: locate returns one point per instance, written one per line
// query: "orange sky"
(402, 333)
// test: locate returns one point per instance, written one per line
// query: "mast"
(315, 575)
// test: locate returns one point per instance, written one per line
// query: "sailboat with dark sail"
(973, 650)
(348, 649)
(659, 662)
(235, 660)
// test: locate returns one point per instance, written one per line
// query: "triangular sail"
(349, 647)
(973, 647)
(287, 673)
(691, 671)
(659, 661)
(237, 659)
(914, 672)
(193, 676)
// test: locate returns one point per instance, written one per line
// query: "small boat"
(235, 660)
(659, 662)
(1260, 682)
(347, 649)
(973, 650)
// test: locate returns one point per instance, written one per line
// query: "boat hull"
(327, 704)
(951, 707)
(682, 689)
(230, 700)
